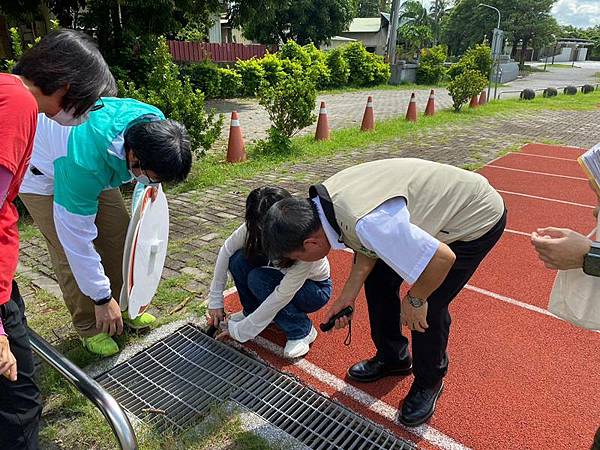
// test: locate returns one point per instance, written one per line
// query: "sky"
(579, 13)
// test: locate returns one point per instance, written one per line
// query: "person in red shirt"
(63, 76)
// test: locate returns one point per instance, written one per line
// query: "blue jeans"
(255, 283)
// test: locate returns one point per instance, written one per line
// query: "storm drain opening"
(173, 384)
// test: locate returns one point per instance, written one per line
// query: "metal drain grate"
(174, 383)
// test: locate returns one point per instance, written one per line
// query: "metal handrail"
(89, 387)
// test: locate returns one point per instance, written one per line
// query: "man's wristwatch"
(415, 301)
(591, 261)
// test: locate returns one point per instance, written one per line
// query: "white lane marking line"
(541, 156)
(545, 198)
(536, 173)
(385, 410)
(512, 301)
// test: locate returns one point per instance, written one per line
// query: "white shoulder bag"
(575, 296)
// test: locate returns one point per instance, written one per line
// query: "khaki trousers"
(112, 220)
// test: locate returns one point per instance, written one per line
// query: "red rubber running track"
(519, 378)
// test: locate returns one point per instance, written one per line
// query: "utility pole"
(393, 32)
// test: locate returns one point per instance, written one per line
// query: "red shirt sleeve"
(18, 116)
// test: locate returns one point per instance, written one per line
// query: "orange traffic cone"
(322, 133)
(430, 108)
(411, 113)
(368, 122)
(483, 98)
(474, 102)
(235, 147)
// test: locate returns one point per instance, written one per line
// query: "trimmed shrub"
(338, 67)
(587, 88)
(550, 92)
(290, 105)
(177, 99)
(294, 52)
(252, 73)
(477, 58)
(527, 94)
(570, 90)
(465, 86)
(366, 69)
(381, 70)
(273, 69)
(204, 76)
(231, 83)
(431, 68)
(318, 71)
(361, 73)
(292, 68)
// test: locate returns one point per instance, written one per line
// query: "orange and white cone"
(430, 108)
(368, 122)
(236, 151)
(483, 98)
(474, 102)
(322, 133)
(411, 113)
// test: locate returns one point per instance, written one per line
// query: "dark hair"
(287, 224)
(162, 146)
(68, 58)
(258, 203)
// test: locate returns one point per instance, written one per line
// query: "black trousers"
(20, 401)
(430, 361)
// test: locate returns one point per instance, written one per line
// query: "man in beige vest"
(410, 220)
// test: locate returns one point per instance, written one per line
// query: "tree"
(367, 8)
(467, 25)
(527, 20)
(272, 21)
(531, 23)
(415, 26)
(438, 13)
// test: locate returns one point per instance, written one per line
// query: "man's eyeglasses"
(97, 106)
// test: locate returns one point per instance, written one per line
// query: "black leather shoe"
(419, 404)
(374, 369)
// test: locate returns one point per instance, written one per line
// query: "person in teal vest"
(72, 193)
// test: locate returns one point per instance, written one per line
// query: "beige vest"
(449, 203)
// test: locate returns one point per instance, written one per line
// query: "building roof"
(574, 41)
(365, 25)
(342, 38)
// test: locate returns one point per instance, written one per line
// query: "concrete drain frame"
(173, 384)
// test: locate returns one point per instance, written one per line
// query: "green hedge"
(350, 65)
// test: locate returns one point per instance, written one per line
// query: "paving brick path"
(343, 110)
(346, 109)
(201, 219)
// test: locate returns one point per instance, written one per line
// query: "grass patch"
(384, 87)
(212, 170)
(28, 231)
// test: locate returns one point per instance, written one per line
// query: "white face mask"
(67, 119)
(143, 179)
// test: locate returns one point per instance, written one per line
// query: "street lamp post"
(497, 39)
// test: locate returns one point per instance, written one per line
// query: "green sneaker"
(101, 344)
(140, 322)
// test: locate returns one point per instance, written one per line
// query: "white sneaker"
(237, 316)
(299, 347)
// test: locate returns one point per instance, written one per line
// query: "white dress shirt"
(387, 232)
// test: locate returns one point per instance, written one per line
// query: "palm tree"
(437, 12)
